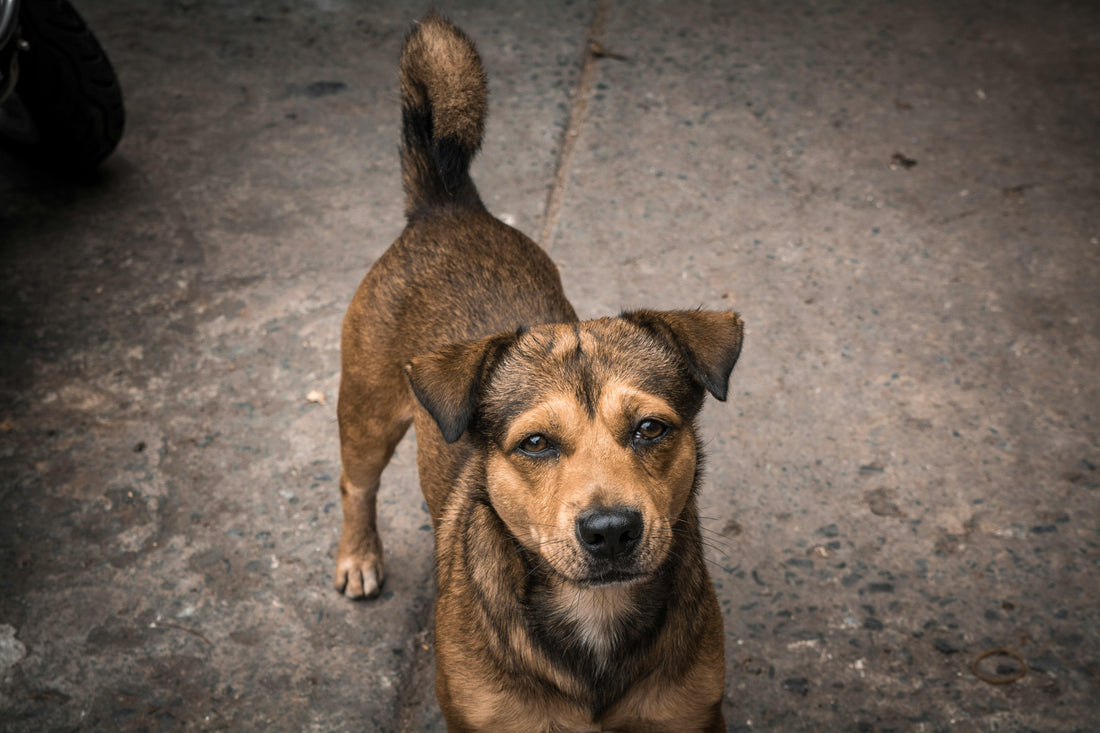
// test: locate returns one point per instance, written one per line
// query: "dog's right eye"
(537, 445)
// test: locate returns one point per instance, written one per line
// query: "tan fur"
(462, 329)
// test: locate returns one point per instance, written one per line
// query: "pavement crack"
(593, 51)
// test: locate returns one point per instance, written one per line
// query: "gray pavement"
(905, 475)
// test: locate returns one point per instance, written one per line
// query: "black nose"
(609, 533)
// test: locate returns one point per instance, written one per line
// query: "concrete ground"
(901, 199)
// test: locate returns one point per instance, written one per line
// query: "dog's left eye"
(537, 445)
(649, 430)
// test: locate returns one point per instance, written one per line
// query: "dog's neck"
(596, 614)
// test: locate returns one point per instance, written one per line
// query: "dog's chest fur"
(596, 614)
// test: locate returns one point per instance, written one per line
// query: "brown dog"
(559, 459)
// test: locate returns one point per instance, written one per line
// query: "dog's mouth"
(612, 576)
(595, 574)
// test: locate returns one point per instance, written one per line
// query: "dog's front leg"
(366, 445)
(359, 570)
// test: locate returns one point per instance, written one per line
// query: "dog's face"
(588, 430)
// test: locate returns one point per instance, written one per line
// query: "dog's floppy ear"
(447, 381)
(708, 341)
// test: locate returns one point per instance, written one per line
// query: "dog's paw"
(359, 575)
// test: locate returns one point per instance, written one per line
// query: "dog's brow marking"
(560, 343)
(619, 398)
(552, 416)
(588, 389)
(587, 349)
(574, 359)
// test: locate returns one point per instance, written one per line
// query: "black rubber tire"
(68, 87)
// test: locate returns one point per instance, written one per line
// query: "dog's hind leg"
(373, 418)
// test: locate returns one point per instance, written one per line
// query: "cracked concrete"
(900, 199)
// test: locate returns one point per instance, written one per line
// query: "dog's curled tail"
(444, 101)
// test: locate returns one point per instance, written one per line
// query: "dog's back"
(456, 248)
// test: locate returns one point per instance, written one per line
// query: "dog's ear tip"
(710, 341)
(717, 384)
(451, 432)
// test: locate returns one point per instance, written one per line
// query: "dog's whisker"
(717, 543)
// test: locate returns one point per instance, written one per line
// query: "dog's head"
(588, 430)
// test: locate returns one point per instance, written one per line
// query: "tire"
(68, 103)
